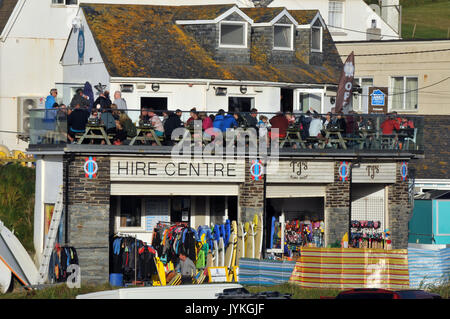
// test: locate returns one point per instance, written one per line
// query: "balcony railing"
(297, 131)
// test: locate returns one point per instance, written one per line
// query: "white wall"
(49, 178)
(357, 16)
(31, 48)
(92, 69)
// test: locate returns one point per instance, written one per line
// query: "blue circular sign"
(344, 171)
(81, 44)
(404, 171)
(256, 170)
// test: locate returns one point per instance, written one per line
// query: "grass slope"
(432, 20)
(17, 185)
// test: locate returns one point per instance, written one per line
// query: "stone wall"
(399, 211)
(88, 217)
(251, 196)
(436, 145)
(337, 208)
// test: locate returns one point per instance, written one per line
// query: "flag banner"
(344, 93)
(349, 268)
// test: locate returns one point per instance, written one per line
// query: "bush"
(17, 186)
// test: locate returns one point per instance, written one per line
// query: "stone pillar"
(251, 196)
(88, 217)
(337, 208)
(399, 211)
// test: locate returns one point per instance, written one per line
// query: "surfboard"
(259, 236)
(5, 278)
(16, 259)
(230, 252)
(161, 271)
(216, 235)
(240, 249)
(250, 241)
(221, 253)
(272, 232)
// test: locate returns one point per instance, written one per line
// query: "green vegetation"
(60, 291)
(431, 20)
(296, 291)
(17, 202)
(443, 290)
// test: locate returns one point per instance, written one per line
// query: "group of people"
(83, 110)
(118, 124)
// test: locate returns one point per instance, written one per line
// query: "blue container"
(116, 280)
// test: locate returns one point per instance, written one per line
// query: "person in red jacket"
(389, 125)
(280, 122)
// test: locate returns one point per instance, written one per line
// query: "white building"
(33, 34)
(353, 20)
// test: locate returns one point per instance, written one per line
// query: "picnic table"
(293, 136)
(333, 136)
(94, 132)
(142, 134)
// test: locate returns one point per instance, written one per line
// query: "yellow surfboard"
(231, 248)
(259, 236)
(250, 241)
(240, 250)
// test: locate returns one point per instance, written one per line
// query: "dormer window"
(233, 34)
(316, 37)
(283, 35)
(65, 2)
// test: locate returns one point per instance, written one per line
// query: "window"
(360, 100)
(130, 211)
(316, 39)
(233, 34)
(66, 2)
(335, 14)
(404, 93)
(310, 101)
(282, 37)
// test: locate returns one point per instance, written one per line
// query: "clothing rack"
(119, 234)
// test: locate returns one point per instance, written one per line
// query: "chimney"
(373, 33)
(261, 3)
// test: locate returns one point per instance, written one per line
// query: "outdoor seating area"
(298, 131)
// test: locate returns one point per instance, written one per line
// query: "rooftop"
(145, 42)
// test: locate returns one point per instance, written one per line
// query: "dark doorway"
(240, 104)
(181, 209)
(287, 100)
(156, 103)
(232, 208)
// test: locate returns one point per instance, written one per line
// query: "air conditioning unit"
(24, 106)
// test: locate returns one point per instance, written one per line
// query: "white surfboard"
(221, 253)
(16, 258)
(5, 277)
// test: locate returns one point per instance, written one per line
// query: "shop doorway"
(156, 103)
(180, 209)
(240, 104)
(287, 100)
(303, 219)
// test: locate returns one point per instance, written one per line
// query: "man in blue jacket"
(222, 121)
(50, 102)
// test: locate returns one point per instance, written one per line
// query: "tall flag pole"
(345, 87)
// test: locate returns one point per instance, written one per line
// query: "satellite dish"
(375, 8)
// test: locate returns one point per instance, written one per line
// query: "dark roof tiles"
(144, 41)
(6, 9)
